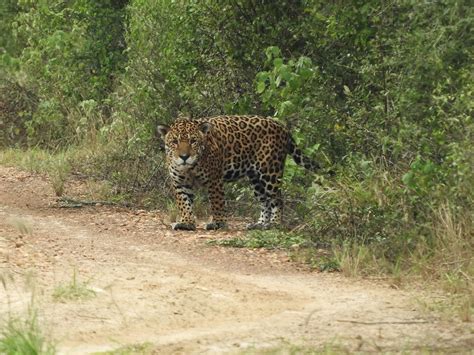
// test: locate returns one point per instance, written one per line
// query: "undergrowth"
(111, 175)
(263, 239)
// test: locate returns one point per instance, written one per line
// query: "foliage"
(17, 105)
(68, 55)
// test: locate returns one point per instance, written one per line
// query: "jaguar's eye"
(193, 141)
(174, 142)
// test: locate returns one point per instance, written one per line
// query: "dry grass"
(453, 259)
(444, 263)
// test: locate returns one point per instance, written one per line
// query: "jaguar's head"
(185, 142)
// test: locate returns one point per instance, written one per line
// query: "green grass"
(32, 160)
(57, 166)
(24, 337)
(270, 239)
(299, 247)
(112, 175)
(73, 291)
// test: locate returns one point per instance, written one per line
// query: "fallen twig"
(67, 202)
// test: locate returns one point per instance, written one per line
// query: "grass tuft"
(58, 172)
(24, 337)
(73, 291)
(21, 225)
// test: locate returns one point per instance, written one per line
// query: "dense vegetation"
(382, 91)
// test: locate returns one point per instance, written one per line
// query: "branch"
(66, 202)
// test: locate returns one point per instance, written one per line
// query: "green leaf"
(272, 52)
(278, 80)
(262, 76)
(286, 107)
(261, 87)
(304, 62)
(407, 179)
(277, 62)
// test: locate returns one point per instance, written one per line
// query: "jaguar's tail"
(300, 158)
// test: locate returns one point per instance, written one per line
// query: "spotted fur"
(212, 150)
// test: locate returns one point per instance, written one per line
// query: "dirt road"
(181, 295)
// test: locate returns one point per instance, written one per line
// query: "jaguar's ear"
(162, 130)
(205, 127)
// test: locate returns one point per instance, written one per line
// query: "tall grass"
(24, 337)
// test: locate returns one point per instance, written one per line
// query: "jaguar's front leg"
(216, 197)
(184, 199)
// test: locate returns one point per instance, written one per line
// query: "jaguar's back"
(249, 143)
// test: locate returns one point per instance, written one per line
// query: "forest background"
(379, 91)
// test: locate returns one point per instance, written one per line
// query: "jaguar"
(212, 150)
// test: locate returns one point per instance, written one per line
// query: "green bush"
(17, 105)
(68, 55)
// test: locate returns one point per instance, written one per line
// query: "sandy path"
(183, 296)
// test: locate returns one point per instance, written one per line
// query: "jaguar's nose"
(184, 157)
